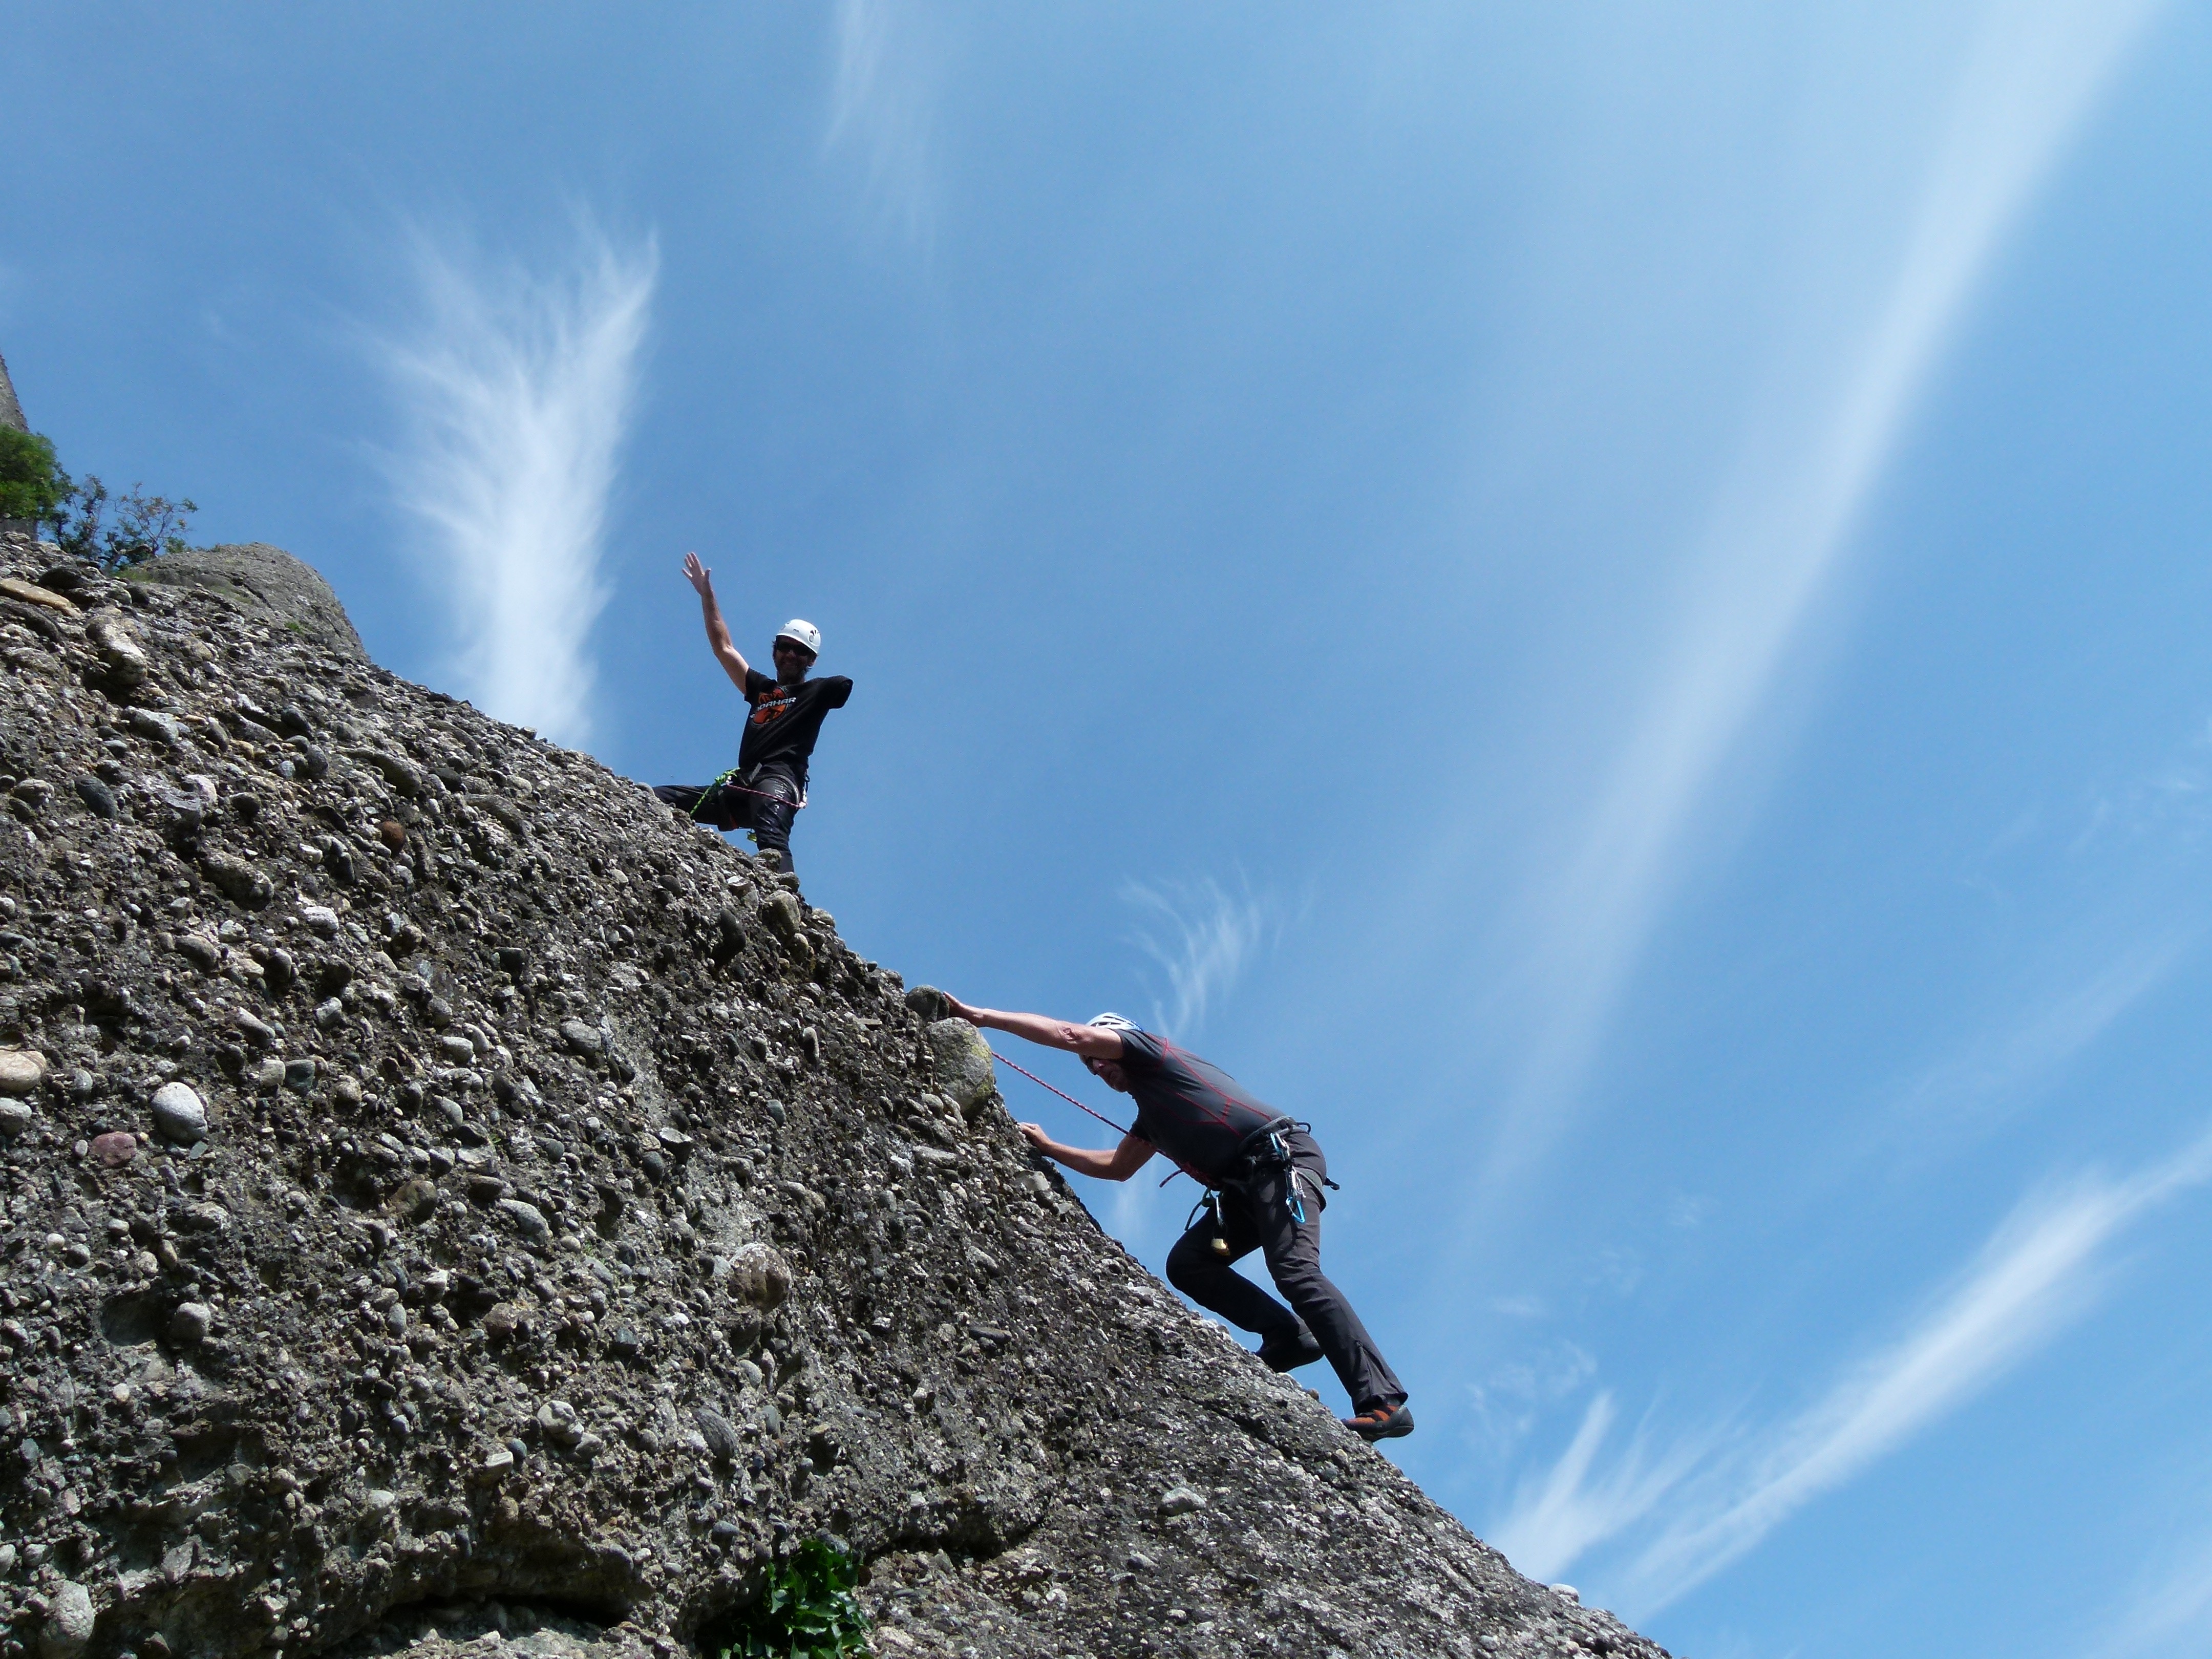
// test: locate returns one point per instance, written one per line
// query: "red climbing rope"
(1179, 1169)
(1062, 1093)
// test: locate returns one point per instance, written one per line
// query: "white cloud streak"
(882, 100)
(2172, 1615)
(1775, 538)
(1968, 1089)
(1724, 1491)
(1204, 939)
(516, 390)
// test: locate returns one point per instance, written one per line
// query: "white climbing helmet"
(802, 633)
(1112, 1023)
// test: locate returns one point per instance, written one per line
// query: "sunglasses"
(792, 649)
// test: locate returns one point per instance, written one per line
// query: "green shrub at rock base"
(32, 485)
(806, 1610)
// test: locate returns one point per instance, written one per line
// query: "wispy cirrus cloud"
(881, 107)
(1990, 1075)
(1722, 1491)
(2169, 1612)
(1506, 1406)
(516, 388)
(1203, 938)
(1777, 531)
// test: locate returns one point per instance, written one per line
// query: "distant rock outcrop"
(447, 1197)
(11, 411)
(266, 584)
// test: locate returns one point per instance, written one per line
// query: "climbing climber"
(1264, 1176)
(768, 786)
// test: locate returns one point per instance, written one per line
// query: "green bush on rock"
(144, 527)
(806, 1610)
(31, 483)
(113, 531)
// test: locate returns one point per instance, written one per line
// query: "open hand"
(1035, 1134)
(962, 1010)
(701, 578)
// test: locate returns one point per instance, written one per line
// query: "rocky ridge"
(448, 1200)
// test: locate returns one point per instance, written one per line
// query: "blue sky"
(1603, 601)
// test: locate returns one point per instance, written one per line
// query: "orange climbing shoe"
(1382, 1422)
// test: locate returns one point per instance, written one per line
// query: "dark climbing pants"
(1257, 1214)
(765, 801)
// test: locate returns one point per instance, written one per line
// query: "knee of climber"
(1296, 1271)
(1187, 1264)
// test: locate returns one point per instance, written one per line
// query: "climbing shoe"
(1382, 1422)
(1287, 1353)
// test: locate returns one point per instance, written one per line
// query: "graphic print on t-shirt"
(786, 719)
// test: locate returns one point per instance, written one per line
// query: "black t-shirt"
(786, 719)
(1191, 1109)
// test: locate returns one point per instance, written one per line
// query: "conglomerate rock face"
(449, 1200)
(265, 584)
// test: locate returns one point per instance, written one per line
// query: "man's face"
(792, 659)
(1107, 1072)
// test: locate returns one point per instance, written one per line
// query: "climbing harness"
(1264, 1145)
(1271, 1140)
(723, 782)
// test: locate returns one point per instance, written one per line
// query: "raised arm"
(1089, 1041)
(718, 631)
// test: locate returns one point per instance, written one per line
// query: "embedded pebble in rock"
(1181, 1500)
(529, 1220)
(584, 1039)
(70, 1621)
(719, 1434)
(760, 1276)
(962, 1061)
(109, 635)
(179, 1113)
(603, 1245)
(22, 1071)
(96, 795)
(240, 881)
(157, 728)
(16, 588)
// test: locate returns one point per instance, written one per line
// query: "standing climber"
(1264, 1176)
(768, 786)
